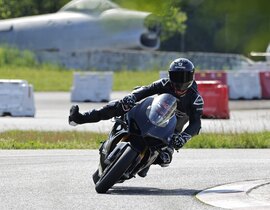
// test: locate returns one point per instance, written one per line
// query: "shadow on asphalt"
(151, 191)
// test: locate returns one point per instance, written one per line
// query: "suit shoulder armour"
(163, 81)
(198, 100)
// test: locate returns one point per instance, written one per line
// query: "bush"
(15, 57)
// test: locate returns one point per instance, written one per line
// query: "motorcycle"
(135, 141)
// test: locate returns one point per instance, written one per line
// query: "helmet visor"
(181, 76)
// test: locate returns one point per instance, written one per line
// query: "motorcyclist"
(180, 84)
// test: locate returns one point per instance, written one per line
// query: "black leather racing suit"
(189, 106)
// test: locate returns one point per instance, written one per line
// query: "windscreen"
(161, 109)
(89, 6)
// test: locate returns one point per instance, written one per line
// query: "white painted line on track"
(235, 196)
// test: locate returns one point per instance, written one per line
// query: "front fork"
(145, 157)
(106, 157)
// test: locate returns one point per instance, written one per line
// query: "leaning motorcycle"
(135, 141)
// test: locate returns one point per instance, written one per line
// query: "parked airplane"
(266, 54)
(82, 25)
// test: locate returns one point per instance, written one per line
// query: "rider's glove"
(75, 117)
(178, 140)
(128, 102)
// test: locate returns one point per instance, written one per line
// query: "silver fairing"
(82, 25)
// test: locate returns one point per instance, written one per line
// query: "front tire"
(95, 176)
(116, 171)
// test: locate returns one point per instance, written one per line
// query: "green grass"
(50, 78)
(89, 140)
(50, 140)
(43, 78)
(128, 80)
(230, 140)
(15, 64)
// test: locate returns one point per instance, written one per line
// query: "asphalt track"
(61, 179)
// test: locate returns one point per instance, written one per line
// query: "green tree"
(171, 17)
(14, 8)
(232, 26)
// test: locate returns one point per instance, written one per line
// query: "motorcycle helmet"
(181, 75)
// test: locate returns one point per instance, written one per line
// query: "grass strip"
(17, 139)
(231, 140)
(16, 64)
(51, 78)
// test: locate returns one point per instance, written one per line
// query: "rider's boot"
(75, 117)
(109, 111)
(164, 159)
(143, 172)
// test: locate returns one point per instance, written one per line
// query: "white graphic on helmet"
(179, 65)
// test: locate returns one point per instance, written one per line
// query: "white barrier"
(244, 85)
(241, 84)
(16, 98)
(163, 74)
(92, 87)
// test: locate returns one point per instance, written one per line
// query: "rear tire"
(116, 171)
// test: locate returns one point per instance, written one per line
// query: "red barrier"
(212, 75)
(265, 84)
(216, 99)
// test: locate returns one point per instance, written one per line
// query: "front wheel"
(95, 176)
(116, 171)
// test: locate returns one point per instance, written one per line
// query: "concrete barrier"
(92, 87)
(248, 84)
(163, 74)
(124, 59)
(16, 98)
(244, 85)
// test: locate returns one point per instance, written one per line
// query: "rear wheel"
(116, 171)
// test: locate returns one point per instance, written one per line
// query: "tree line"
(225, 26)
